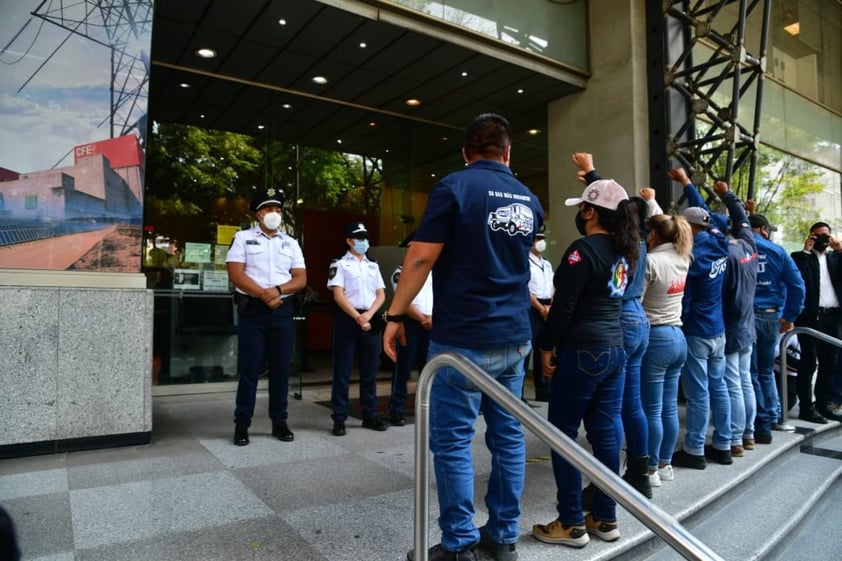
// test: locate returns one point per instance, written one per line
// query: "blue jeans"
(263, 333)
(588, 385)
(659, 380)
(703, 382)
(763, 371)
(635, 340)
(454, 405)
(409, 356)
(741, 393)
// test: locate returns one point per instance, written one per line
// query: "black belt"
(544, 301)
(824, 311)
(359, 311)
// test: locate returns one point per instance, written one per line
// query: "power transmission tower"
(123, 27)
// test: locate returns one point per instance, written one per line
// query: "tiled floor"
(191, 494)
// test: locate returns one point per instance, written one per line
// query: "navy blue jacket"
(702, 303)
(779, 283)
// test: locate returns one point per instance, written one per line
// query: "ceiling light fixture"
(793, 29)
(372, 124)
(261, 127)
(534, 132)
(363, 45)
(206, 53)
(202, 116)
(339, 141)
(520, 90)
(282, 21)
(464, 73)
(184, 85)
(412, 102)
(286, 106)
(318, 80)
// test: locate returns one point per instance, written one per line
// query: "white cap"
(606, 193)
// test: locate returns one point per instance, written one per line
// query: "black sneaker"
(438, 553)
(241, 434)
(338, 428)
(828, 411)
(374, 423)
(719, 456)
(683, 459)
(498, 551)
(397, 419)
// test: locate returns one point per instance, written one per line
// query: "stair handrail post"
(784, 398)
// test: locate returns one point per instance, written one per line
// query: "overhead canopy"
(260, 82)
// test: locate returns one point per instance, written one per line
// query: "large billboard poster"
(73, 104)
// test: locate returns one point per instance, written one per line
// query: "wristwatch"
(395, 319)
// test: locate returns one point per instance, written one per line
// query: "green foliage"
(190, 170)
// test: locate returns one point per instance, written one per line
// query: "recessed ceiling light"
(793, 28)
(372, 124)
(286, 106)
(318, 80)
(339, 141)
(206, 53)
(520, 91)
(387, 150)
(413, 102)
(184, 85)
(444, 138)
(432, 175)
(261, 127)
(202, 116)
(534, 132)
(464, 73)
(363, 45)
(282, 21)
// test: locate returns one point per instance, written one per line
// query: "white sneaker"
(666, 473)
(654, 480)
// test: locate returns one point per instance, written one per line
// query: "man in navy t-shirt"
(475, 235)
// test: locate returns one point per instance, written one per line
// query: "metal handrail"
(659, 521)
(782, 353)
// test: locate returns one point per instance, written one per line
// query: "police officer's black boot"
(637, 475)
(241, 434)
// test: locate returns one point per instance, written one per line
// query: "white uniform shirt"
(360, 279)
(827, 294)
(423, 302)
(540, 277)
(268, 260)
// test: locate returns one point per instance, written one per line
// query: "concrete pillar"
(608, 119)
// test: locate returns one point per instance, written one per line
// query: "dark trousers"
(264, 333)
(349, 340)
(543, 388)
(409, 356)
(813, 350)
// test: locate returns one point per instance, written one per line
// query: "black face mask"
(580, 223)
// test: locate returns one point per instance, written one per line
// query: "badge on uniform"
(332, 272)
(252, 242)
(396, 276)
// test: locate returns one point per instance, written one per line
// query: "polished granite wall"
(75, 363)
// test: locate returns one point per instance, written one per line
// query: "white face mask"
(272, 220)
(541, 246)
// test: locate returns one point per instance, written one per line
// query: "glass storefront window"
(557, 30)
(805, 45)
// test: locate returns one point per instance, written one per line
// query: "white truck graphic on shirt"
(515, 219)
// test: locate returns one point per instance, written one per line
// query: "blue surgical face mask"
(361, 246)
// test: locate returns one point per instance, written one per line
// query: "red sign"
(123, 151)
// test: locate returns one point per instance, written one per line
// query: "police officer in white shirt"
(266, 267)
(541, 290)
(359, 292)
(417, 325)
